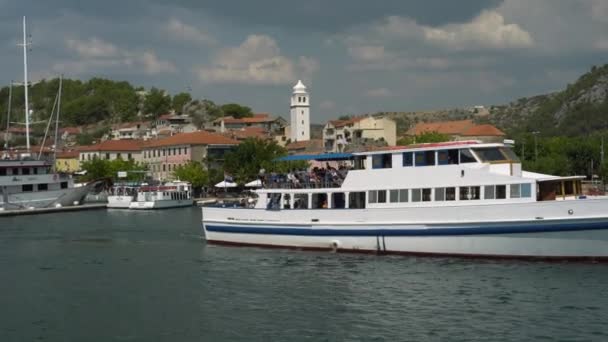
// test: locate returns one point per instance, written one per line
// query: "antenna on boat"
(25, 46)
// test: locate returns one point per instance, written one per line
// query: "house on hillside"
(459, 130)
(131, 130)
(248, 132)
(163, 156)
(337, 134)
(174, 123)
(127, 149)
(273, 125)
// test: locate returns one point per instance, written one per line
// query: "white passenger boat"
(168, 195)
(454, 198)
(122, 195)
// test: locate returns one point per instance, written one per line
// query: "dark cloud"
(336, 15)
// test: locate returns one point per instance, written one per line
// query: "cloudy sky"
(356, 56)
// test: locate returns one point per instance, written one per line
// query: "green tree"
(426, 137)
(179, 101)
(157, 102)
(244, 163)
(236, 110)
(194, 173)
(202, 112)
(102, 168)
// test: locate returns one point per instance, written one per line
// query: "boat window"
(43, 187)
(273, 201)
(300, 201)
(373, 196)
(425, 158)
(359, 163)
(25, 171)
(416, 195)
(515, 190)
(439, 194)
(394, 196)
(286, 201)
(2, 172)
(569, 188)
(446, 157)
(356, 200)
(508, 152)
(488, 192)
(403, 195)
(466, 156)
(526, 190)
(35, 169)
(319, 201)
(338, 201)
(27, 188)
(64, 185)
(408, 159)
(381, 196)
(450, 194)
(469, 193)
(426, 195)
(501, 191)
(382, 161)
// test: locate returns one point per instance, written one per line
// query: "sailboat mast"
(8, 115)
(25, 86)
(57, 120)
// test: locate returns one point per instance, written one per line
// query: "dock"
(20, 212)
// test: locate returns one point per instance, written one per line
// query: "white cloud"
(379, 92)
(96, 54)
(601, 44)
(257, 60)
(367, 52)
(182, 31)
(488, 30)
(599, 10)
(92, 47)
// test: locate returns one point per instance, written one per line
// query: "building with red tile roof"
(262, 120)
(113, 149)
(361, 130)
(459, 130)
(164, 155)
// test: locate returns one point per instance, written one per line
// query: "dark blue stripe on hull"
(529, 227)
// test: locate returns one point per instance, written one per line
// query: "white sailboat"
(27, 182)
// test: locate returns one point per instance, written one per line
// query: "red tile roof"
(483, 130)
(257, 118)
(248, 132)
(443, 127)
(342, 123)
(193, 138)
(70, 130)
(68, 154)
(308, 145)
(115, 145)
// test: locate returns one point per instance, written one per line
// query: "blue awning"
(322, 156)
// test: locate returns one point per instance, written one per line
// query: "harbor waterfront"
(149, 276)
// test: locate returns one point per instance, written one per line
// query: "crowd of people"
(317, 177)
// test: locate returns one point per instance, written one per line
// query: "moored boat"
(168, 195)
(122, 195)
(457, 198)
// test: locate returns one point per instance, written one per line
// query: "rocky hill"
(579, 109)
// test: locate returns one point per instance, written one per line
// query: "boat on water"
(28, 181)
(465, 198)
(121, 195)
(173, 194)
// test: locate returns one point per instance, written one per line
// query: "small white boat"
(121, 196)
(169, 195)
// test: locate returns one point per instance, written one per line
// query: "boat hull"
(119, 202)
(160, 204)
(440, 231)
(45, 199)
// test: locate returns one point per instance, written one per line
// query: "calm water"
(148, 276)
